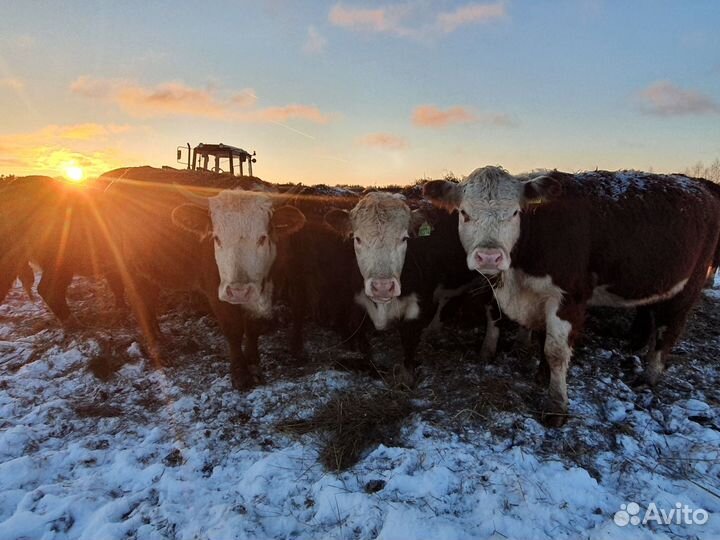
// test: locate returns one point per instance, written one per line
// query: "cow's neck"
(400, 308)
(523, 298)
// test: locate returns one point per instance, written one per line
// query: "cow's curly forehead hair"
(241, 210)
(378, 210)
(490, 184)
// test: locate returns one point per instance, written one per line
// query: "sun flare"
(74, 173)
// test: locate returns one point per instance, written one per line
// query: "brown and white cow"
(558, 243)
(381, 225)
(223, 246)
(403, 279)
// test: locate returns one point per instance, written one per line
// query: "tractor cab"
(216, 158)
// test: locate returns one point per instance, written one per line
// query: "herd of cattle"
(538, 249)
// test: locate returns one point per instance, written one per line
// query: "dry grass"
(352, 422)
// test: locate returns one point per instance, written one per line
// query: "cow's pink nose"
(489, 258)
(241, 294)
(385, 288)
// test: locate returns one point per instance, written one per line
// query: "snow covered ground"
(94, 444)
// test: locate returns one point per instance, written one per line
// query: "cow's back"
(55, 223)
(636, 233)
(146, 240)
(318, 269)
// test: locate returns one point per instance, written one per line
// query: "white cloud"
(665, 99)
(314, 43)
(178, 99)
(414, 19)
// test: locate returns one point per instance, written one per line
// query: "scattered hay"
(351, 422)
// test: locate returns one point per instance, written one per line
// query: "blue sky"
(362, 92)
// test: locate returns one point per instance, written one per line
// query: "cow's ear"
(417, 219)
(287, 220)
(444, 194)
(339, 221)
(541, 189)
(193, 219)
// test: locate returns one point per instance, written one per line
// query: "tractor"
(225, 159)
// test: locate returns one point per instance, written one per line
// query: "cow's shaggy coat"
(561, 242)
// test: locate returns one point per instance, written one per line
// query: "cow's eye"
(217, 240)
(515, 213)
(406, 238)
(357, 240)
(465, 216)
(262, 240)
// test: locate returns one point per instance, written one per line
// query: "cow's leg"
(143, 297)
(410, 334)
(297, 336)
(116, 286)
(492, 334)
(670, 317)
(561, 324)
(710, 279)
(523, 349)
(643, 327)
(6, 281)
(27, 278)
(231, 321)
(356, 326)
(542, 375)
(52, 288)
(252, 335)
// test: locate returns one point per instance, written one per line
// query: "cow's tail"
(712, 269)
(714, 188)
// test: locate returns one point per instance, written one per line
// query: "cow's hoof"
(554, 414)
(300, 355)
(159, 356)
(402, 377)
(487, 356)
(242, 380)
(246, 377)
(71, 324)
(646, 379)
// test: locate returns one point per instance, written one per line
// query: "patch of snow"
(177, 453)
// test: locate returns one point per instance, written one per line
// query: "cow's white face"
(489, 201)
(245, 228)
(244, 251)
(380, 225)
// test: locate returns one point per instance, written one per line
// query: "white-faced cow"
(403, 279)
(559, 243)
(223, 246)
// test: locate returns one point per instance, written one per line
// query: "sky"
(361, 92)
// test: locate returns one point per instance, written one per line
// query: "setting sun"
(74, 173)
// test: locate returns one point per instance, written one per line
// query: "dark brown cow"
(404, 280)
(558, 243)
(56, 225)
(324, 281)
(224, 246)
(643, 324)
(317, 274)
